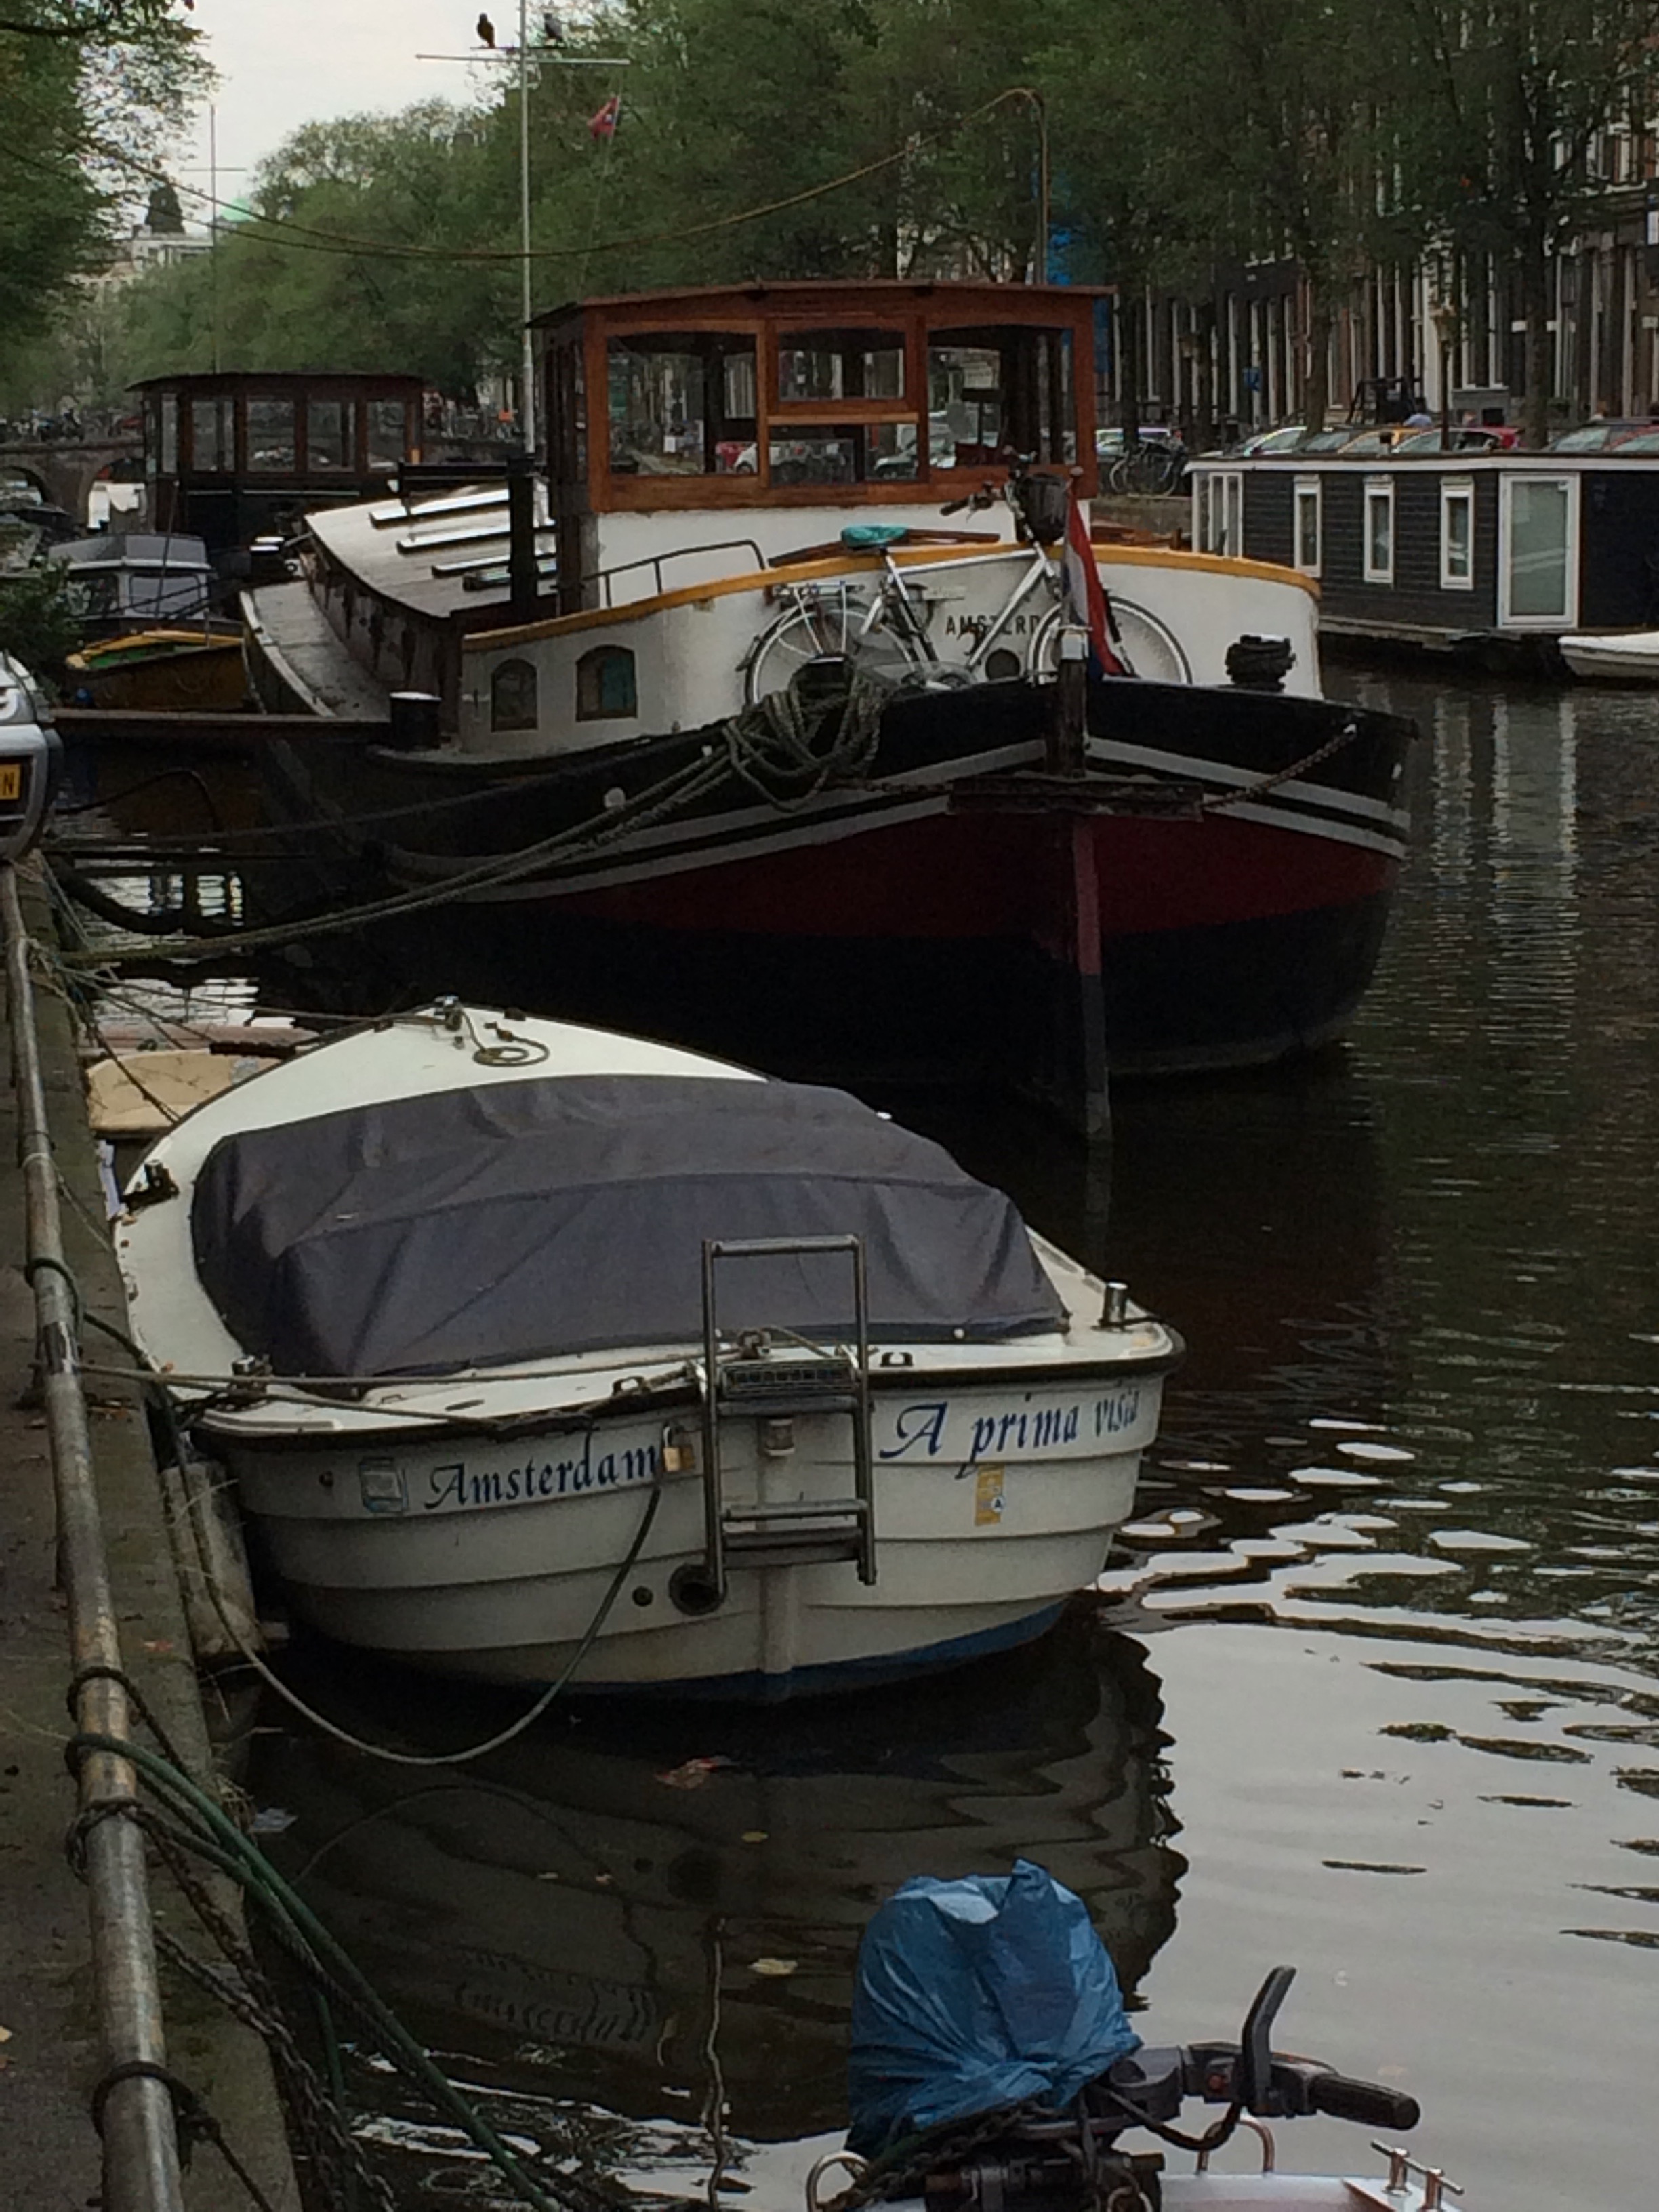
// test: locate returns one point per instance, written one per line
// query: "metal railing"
(141, 2167)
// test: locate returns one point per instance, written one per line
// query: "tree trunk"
(1536, 309)
(1317, 365)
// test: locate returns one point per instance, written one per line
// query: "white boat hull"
(474, 1520)
(1632, 657)
(491, 1560)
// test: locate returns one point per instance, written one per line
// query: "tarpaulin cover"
(517, 1220)
(975, 1994)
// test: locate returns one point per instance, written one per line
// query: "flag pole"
(527, 409)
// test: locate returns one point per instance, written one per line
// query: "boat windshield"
(682, 403)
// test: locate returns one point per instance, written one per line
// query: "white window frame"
(1378, 491)
(1456, 491)
(1218, 520)
(1507, 619)
(1308, 490)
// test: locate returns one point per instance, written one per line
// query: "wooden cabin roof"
(841, 298)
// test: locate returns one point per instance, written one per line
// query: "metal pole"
(140, 2148)
(213, 227)
(527, 371)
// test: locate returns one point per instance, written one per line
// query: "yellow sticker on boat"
(988, 1497)
(11, 779)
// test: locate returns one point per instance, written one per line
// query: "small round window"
(513, 696)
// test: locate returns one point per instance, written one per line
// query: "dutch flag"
(1087, 595)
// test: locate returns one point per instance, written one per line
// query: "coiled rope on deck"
(787, 747)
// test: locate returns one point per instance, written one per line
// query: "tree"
(90, 89)
(1510, 102)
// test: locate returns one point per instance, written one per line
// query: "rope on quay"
(776, 747)
(140, 2151)
(189, 1829)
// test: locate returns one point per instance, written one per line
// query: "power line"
(309, 238)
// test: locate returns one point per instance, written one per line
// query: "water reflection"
(618, 1902)
(1396, 1570)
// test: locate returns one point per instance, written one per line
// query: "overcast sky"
(283, 63)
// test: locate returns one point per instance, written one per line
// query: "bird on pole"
(486, 31)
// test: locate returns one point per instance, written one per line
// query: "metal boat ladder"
(748, 1382)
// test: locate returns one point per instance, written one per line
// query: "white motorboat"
(528, 1344)
(1629, 656)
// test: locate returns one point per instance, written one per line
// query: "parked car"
(1596, 437)
(1286, 439)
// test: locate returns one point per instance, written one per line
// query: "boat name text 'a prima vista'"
(920, 1432)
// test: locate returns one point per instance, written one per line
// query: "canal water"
(1371, 1686)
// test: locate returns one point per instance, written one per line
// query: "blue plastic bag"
(974, 1994)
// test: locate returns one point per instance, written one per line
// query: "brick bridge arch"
(65, 471)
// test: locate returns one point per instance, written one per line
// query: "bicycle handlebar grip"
(1367, 2103)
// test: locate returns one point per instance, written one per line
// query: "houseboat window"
(1307, 525)
(328, 435)
(1379, 530)
(1220, 497)
(964, 385)
(270, 436)
(826, 365)
(1456, 537)
(384, 423)
(844, 453)
(606, 684)
(169, 410)
(1539, 555)
(1004, 388)
(513, 696)
(211, 447)
(681, 405)
(1056, 415)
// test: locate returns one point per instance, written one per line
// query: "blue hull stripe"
(840, 1674)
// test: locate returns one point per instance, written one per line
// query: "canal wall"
(1146, 511)
(50, 2058)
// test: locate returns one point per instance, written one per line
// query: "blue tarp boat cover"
(975, 1994)
(515, 1221)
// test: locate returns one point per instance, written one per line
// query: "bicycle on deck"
(882, 620)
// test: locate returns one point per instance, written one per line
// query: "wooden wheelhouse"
(230, 457)
(763, 400)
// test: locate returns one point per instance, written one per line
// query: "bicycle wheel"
(841, 623)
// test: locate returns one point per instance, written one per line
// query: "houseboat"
(751, 735)
(1488, 557)
(232, 456)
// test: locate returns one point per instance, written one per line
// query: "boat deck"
(287, 630)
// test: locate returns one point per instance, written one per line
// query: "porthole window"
(606, 686)
(513, 696)
(1002, 666)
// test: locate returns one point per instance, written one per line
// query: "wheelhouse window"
(1457, 535)
(513, 696)
(166, 426)
(212, 435)
(682, 403)
(328, 435)
(997, 391)
(1379, 530)
(271, 443)
(386, 433)
(606, 686)
(834, 365)
(1308, 520)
